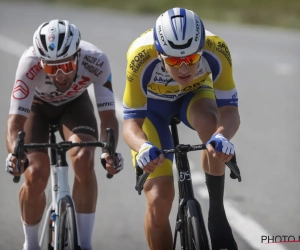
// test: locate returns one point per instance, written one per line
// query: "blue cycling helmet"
(179, 32)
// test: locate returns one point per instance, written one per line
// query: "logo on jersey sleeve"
(20, 91)
(34, 71)
(25, 110)
(93, 65)
(209, 43)
(223, 49)
(138, 60)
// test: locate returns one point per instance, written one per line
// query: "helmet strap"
(77, 59)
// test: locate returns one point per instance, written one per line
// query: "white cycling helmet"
(55, 40)
(179, 32)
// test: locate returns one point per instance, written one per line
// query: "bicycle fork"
(50, 213)
(186, 193)
(179, 227)
(62, 189)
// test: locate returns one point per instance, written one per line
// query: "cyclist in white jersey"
(51, 87)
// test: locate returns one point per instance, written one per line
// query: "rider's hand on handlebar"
(107, 163)
(149, 157)
(11, 164)
(219, 147)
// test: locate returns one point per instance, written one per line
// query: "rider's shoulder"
(89, 48)
(29, 57)
(142, 46)
(213, 42)
(91, 53)
(145, 38)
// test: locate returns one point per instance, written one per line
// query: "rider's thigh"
(156, 128)
(160, 193)
(204, 116)
(37, 131)
(79, 118)
(37, 125)
(38, 171)
(199, 111)
(78, 123)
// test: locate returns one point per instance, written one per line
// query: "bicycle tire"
(196, 235)
(68, 228)
(50, 233)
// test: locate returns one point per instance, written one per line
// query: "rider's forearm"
(109, 122)
(133, 134)
(15, 123)
(229, 121)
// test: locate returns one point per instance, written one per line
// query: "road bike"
(60, 229)
(189, 221)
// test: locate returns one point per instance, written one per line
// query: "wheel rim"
(193, 243)
(68, 243)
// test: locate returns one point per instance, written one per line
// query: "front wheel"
(195, 229)
(68, 239)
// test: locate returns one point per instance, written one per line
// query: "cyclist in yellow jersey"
(179, 68)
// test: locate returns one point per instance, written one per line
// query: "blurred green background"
(280, 13)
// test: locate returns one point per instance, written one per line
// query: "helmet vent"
(60, 40)
(181, 46)
(43, 40)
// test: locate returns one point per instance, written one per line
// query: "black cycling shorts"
(74, 117)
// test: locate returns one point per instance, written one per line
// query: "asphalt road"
(266, 70)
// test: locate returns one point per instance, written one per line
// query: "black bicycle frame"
(185, 185)
(52, 139)
(57, 156)
(183, 168)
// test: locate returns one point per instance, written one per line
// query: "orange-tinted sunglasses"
(177, 61)
(66, 67)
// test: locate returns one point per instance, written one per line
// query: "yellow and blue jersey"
(147, 78)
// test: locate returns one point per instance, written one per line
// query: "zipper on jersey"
(179, 92)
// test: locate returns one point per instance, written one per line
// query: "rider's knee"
(36, 177)
(159, 203)
(159, 209)
(83, 161)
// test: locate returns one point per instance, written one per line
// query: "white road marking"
(284, 69)
(198, 177)
(13, 47)
(244, 225)
(203, 193)
(249, 229)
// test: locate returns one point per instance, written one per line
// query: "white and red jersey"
(31, 80)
